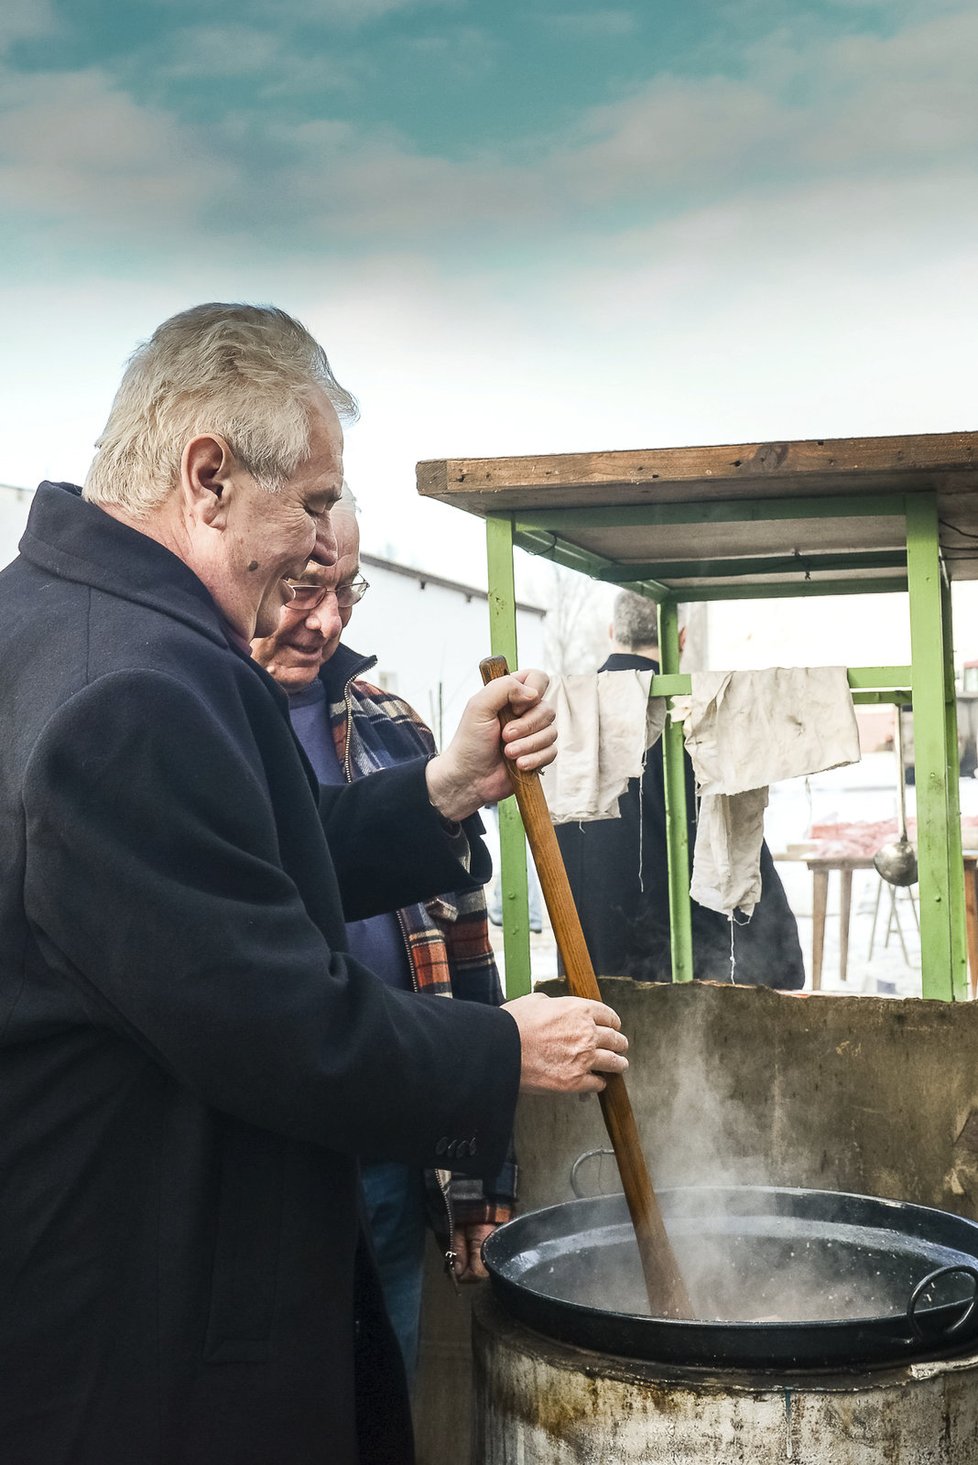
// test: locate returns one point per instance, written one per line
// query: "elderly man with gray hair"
(190, 1063)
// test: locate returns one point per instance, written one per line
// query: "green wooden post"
(942, 945)
(959, 945)
(512, 840)
(677, 836)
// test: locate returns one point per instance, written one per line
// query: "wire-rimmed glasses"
(306, 597)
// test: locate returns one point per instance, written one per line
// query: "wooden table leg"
(971, 920)
(845, 910)
(820, 894)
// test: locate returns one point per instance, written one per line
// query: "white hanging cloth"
(606, 722)
(745, 730)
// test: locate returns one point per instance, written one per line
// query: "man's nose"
(324, 550)
(325, 617)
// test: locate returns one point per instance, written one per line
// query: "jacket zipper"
(444, 1185)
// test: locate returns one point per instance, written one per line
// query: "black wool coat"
(617, 869)
(189, 1065)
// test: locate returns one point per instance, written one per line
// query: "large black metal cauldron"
(779, 1278)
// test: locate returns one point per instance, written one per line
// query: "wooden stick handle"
(667, 1294)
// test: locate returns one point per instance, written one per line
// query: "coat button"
(450, 1148)
(441, 1147)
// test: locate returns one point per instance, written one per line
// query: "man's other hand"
(472, 770)
(468, 1265)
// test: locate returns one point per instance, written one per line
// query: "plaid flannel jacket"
(447, 938)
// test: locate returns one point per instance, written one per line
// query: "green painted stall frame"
(754, 521)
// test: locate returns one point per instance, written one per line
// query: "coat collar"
(76, 540)
(344, 664)
(628, 661)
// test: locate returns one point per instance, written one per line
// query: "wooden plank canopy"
(820, 510)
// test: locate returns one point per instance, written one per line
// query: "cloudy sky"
(516, 227)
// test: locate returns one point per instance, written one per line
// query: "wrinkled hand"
(468, 1265)
(568, 1042)
(472, 770)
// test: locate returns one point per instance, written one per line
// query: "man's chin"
(295, 672)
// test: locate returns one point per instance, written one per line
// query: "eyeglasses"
(307, 597)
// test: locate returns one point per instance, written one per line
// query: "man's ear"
(206, 470)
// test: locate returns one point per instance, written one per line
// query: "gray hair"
(634, 620)
(247, 372)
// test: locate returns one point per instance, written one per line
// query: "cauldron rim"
(752, 1344)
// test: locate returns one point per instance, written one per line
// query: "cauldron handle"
(587, 1155)
(667, 1294)
(928, 1281)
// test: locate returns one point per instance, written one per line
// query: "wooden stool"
(820, 866)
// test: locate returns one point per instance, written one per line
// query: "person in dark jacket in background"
(438, 948)
(618, 873)
(190, 1063)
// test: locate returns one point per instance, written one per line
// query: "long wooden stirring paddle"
(663, 1283)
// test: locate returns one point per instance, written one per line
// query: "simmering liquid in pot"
(749, 1274)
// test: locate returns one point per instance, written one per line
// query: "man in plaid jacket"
(440, 948)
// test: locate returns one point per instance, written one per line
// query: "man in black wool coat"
(190, 1065)
(618, 872)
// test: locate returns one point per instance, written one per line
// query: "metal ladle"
(897, 862)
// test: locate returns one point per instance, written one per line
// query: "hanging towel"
(605, 724)
(745, 730)
(727, 852)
